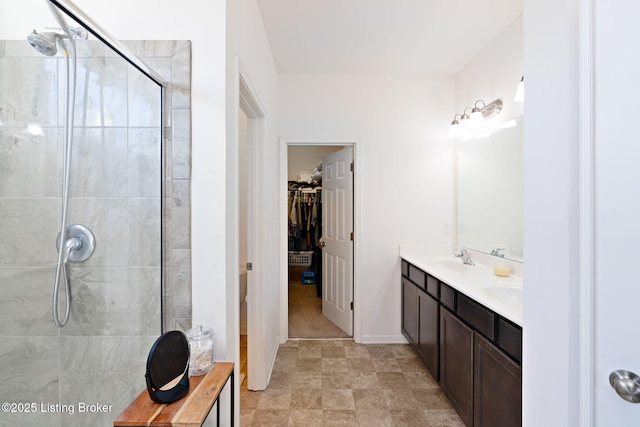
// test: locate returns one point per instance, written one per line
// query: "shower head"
(45, 43)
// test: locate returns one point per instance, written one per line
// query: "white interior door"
(616, 207)
(337, 232)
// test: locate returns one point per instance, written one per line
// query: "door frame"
(586, 101)
(356, 145)
(245, 97)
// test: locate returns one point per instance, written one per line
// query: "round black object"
(168, 368)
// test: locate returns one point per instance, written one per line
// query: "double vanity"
(466, 324)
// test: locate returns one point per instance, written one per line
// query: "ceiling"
(382, 36)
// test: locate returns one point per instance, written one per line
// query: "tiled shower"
(130, 181)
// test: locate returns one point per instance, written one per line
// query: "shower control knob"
(82, 251)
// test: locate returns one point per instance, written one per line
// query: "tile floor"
(305, 310)
(340, 383)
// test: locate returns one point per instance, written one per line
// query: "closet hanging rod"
(310, 191)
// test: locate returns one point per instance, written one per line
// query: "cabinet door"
(409, 310)
(456, 364)
(498, 387)
(428, 329)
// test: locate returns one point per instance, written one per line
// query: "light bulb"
(35, 129)
(454, 129)
(476, 117)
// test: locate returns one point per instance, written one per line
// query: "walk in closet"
(304, 210)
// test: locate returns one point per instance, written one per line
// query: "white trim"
(356, 143)
(250, 104)
(272, 358)
(384, 339)
(586, 123)
(232, 219)
(284, 245)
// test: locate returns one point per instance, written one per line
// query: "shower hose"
(66, 245)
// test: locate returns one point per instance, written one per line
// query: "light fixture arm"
(475, 106)
(464, 115)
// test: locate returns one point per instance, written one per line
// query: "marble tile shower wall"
(99, 356)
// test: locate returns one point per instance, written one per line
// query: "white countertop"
(503, 295)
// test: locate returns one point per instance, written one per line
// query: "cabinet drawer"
(477, 316)
(418, 276)
(447, 296)
(405, 268)
(510, 339)
(432, 286)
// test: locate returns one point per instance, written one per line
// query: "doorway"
(320, 256)
(250, 142)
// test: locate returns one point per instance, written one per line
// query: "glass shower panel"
(116, 173)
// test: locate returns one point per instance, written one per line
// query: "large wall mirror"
(490, 192)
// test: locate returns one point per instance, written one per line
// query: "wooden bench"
(190, 411)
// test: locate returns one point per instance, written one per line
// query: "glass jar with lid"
(201, 348)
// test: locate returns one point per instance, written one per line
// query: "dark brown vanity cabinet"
(473, 353)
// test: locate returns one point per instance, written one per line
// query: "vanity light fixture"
(519, 97)
(474, 124)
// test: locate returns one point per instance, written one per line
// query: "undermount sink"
(507, 294)
(449, 265)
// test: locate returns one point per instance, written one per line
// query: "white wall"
(551, 357)
(402, 123)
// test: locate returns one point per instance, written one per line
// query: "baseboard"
(272, 360)
(384, 339)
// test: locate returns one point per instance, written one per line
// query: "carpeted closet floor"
(305, 310)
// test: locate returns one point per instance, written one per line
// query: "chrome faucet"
(496, 252)
(466, 258)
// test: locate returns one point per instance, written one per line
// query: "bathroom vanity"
(466, 325)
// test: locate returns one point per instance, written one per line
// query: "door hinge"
(249, 266)
(351, 166)
(351, 236)
(351, 305)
